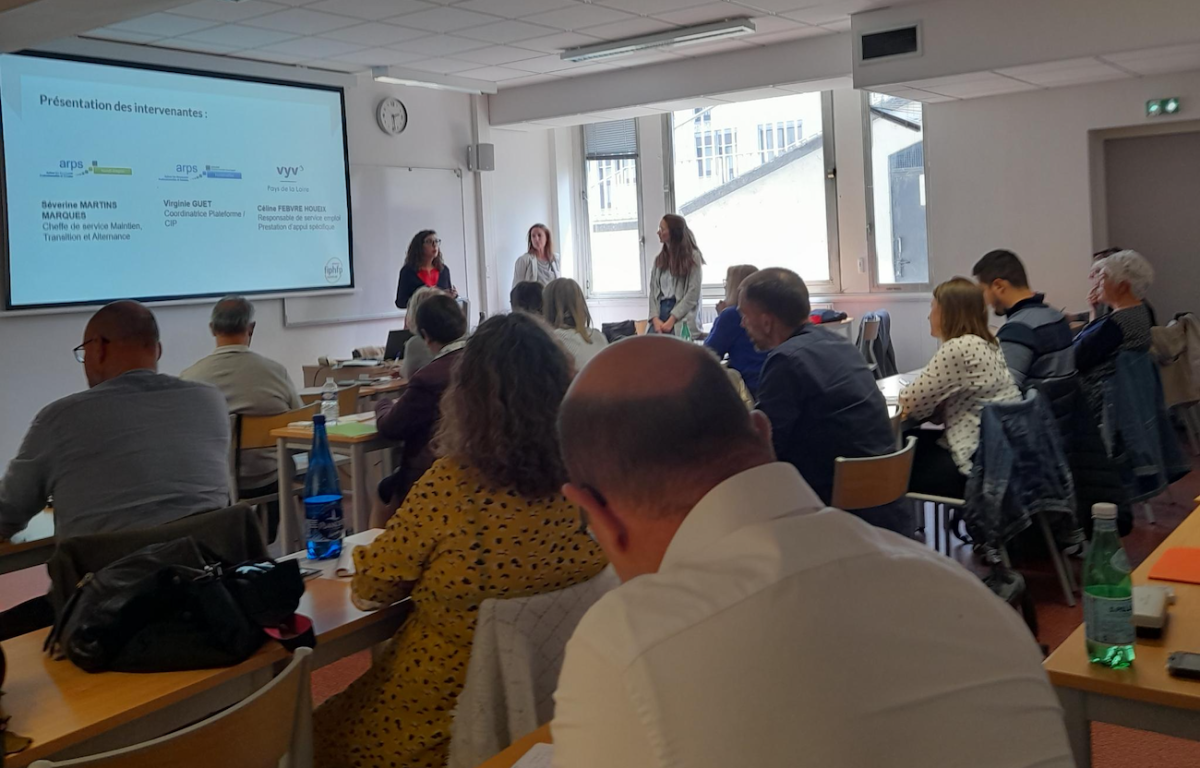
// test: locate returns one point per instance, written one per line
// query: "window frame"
(583, 220)
(716, 290)
(876, 286)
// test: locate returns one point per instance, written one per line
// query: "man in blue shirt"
(816, 389)
(1036, 339)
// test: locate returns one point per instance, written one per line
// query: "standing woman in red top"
(423, 265)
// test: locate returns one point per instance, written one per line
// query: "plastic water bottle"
(322, 498)
(1107, 594)
(329, 401)
(685, 333)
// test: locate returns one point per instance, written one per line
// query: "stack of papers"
(539, 756)
(345, 561)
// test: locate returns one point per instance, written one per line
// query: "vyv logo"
(289, 171)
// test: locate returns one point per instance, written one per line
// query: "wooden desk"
(367, 389)
(517, 750)
(32, 546)
(68, 712)
(1143, 696)
(288, 439)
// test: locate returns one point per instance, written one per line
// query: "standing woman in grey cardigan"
(676, 278)
(539, 264)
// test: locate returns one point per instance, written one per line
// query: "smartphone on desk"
(1184, 664)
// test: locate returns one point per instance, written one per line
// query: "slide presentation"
(123, 182)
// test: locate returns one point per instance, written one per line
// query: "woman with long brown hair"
(967, 373)
(567, 312)
(423, 266)
(676, 279)
(539, 263)
(488, 520)
(728, 337)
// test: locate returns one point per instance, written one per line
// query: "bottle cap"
(1104, 511)
(319, 418)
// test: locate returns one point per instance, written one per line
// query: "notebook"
(538, 756)
(1178, 564)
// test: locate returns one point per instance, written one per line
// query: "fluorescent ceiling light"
(437, 82)
(699, 33)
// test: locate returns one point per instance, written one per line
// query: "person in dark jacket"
(728, 337)
(1036, 338)
(816, 389)
(423, 265)
(413, 416)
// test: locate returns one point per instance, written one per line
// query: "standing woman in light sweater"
(676, 278)
(538, 264)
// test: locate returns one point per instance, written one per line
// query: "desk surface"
(305, 433)
(57, 704)
(1147, 680)
(510, 756)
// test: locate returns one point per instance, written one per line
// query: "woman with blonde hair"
(416, 352)
(539, 263)
(728, 337)
(567, 313)
(967, 373)
(488, 520)
(675, 279)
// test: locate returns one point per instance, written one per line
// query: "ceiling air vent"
(905, 41)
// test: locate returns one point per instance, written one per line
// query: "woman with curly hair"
(486, 521)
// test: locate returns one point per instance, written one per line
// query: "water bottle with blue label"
(322, 498)
(1107, 594)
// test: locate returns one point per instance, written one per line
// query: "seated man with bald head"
(136, 449)
(816, 389)
(756, 627)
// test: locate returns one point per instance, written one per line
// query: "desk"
(842, 328)
(517, 750)
(32, 546)
(68, 712)
(288, 439)
(1143, 696)
(890, 386)
(367, 389)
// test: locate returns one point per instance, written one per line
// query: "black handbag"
(615, 331)
(173, 606)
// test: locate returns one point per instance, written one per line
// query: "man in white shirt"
(252, 385)
(754, 627)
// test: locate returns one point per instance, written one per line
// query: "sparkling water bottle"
(322, 498)
(1107, 594)
(329, 401)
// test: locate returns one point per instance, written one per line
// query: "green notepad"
(352, 429)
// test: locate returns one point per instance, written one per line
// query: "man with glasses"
(136, 449)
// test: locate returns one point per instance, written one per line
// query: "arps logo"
(186, 168)
(70, 165)
(289, 172)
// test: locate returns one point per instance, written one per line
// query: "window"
(899, 249)
(614, 243)
(770, 203)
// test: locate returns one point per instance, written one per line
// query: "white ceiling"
(507, 42)
(1115, 66)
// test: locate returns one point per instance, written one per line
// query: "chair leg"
(1056, 557)
(1148, 511)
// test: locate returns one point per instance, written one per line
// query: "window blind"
(613, 139)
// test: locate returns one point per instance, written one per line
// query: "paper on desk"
(345, 561)
(539, 756)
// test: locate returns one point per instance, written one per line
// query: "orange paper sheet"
(1178, 564)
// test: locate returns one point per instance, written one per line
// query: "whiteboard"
(388, 205)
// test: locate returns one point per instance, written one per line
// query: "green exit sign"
(1158, 107)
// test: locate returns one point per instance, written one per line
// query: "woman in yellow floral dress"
(486, 521)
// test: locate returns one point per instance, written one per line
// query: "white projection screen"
(121, 181)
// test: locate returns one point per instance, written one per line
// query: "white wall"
(35, 351)
(1015, 172)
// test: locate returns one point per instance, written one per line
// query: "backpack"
(173, 606)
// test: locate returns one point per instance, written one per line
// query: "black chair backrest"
(233, 533)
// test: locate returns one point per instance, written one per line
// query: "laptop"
(395, 344)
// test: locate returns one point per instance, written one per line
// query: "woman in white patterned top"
(967, 373)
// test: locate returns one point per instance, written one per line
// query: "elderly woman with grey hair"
(1121, 281)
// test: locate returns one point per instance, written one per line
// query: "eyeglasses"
(79, 351)
(433, 241)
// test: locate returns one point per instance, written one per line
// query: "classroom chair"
(254, 433)
(870, 332)
(272, 727)
(872, 481)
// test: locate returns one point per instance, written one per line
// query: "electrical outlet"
(862, 265)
